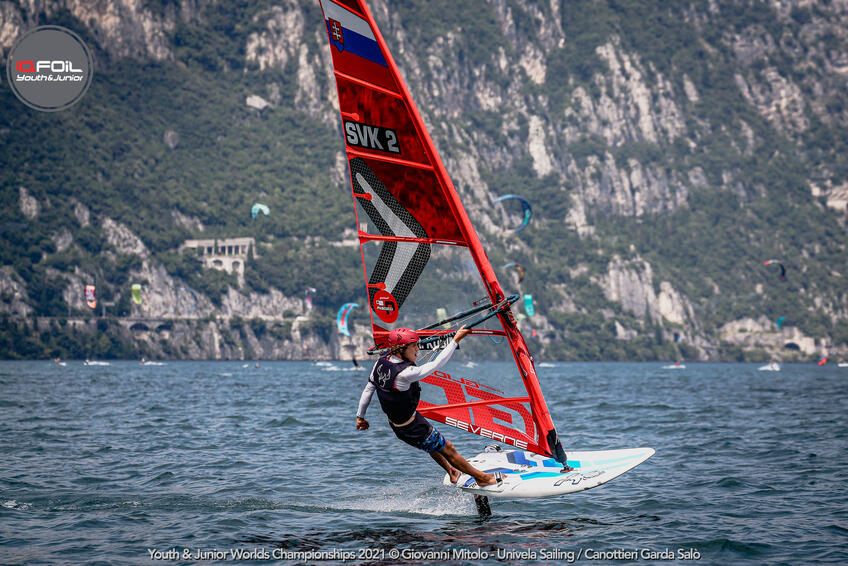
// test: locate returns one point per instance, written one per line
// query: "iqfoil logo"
(49, 68)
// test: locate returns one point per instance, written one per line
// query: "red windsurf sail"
(419, 249)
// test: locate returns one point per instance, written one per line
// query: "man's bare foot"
(487, 479)
(454, 475)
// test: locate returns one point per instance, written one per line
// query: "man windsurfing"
(395, 379)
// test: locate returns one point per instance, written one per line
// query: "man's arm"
(364, 401)
(416, 373)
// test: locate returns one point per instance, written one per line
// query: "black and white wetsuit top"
(397, 395)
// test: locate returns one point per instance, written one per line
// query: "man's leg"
(440, 449)
(453, 473)
(457, 461)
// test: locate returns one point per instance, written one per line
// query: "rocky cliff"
(608, 116)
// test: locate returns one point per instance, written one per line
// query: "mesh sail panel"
(400, 263)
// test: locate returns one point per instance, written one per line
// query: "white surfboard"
(526, 474)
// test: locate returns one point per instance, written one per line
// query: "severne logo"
(462, 425)
(371, 137)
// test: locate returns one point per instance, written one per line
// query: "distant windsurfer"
(355, 362)
(395, 379)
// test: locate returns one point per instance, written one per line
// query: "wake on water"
(417, 497)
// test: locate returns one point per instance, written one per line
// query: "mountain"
(669, 149)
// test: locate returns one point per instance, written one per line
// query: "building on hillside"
(226, 254)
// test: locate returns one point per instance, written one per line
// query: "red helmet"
(402, 336)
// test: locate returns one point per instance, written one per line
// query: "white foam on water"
(419, 497)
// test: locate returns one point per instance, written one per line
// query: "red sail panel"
(412, 212)
(412, 188)
(483, 410)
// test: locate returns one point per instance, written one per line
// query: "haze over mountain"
(669, 149)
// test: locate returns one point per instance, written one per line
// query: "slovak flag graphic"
(336, 34)
(355, 49)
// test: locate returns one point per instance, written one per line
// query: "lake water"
(136, 464)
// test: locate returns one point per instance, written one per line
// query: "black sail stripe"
(391, 219)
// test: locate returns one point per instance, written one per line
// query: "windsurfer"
(395, 379)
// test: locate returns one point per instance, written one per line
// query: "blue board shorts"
(420, 434)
